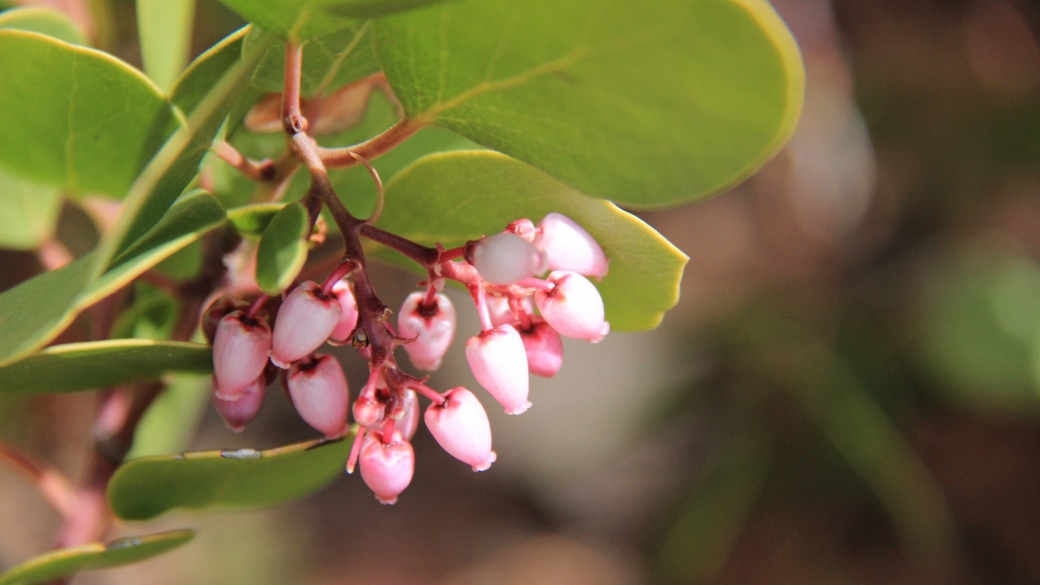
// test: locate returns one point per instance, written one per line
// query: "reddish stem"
(428, 392)
(53, 485)
(388, 430)
(342, 270)
(292, 117)
(424, 256)
(355, 449)
(257, 171)
(453, 253)
(341, 158)
(430, 300)
(255, 306)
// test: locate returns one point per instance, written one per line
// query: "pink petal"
(304, 322)
(386, 469)
(240, 347)
(569, 247)
(348, 313)
(319, 392)
(461, 427)
(432, 329)
(544, 349)
(243, 408)
(499, 362)
(574, 307)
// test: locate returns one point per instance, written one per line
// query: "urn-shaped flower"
(573, 307)
(319, 392)
(386, 468)
(240, 348)
(461, 427)
(432, 327)
(304, 322)
(499, 362)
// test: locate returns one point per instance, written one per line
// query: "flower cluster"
(530, 286)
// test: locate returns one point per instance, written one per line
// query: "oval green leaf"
(643, 103)
(252, 220)
(465, 195)
(37, 310)
(283, 249)
(302, 20)
(206, 70)
(329, 61)
(68, 561)
(102, 364)
(76, 118)
(188, 220)
(144, 488)
(43, 20)
(177, 163)
(28, 212)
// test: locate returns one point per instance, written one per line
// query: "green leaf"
(183, 265)
(252, 220)
(67, 561)
(102, 364)
(144, 488)
(75, 117)
(43, 20)
(283, 249)
(164, 27)
(28, 212)
(465, 195)
(153, 314)
(302, 20)
(206, 70)
(644, 103)
(188, 220)
(177, 164)
(37, 310)
(329, 61)
(171, 420)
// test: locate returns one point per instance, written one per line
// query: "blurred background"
(847, 392)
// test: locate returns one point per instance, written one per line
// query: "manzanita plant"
(242, 199)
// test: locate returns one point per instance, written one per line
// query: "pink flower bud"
(368, 411)
(319, 392)
(304, 322)
(523, 228)
(506, 258)
(499, 363)
(433, 329)
(544, 349)
(569, 247)
(409, 421)
(461, 427)
(348, 313)
(244, 407)
(386, 469)
(240, 348)
(573, 307)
